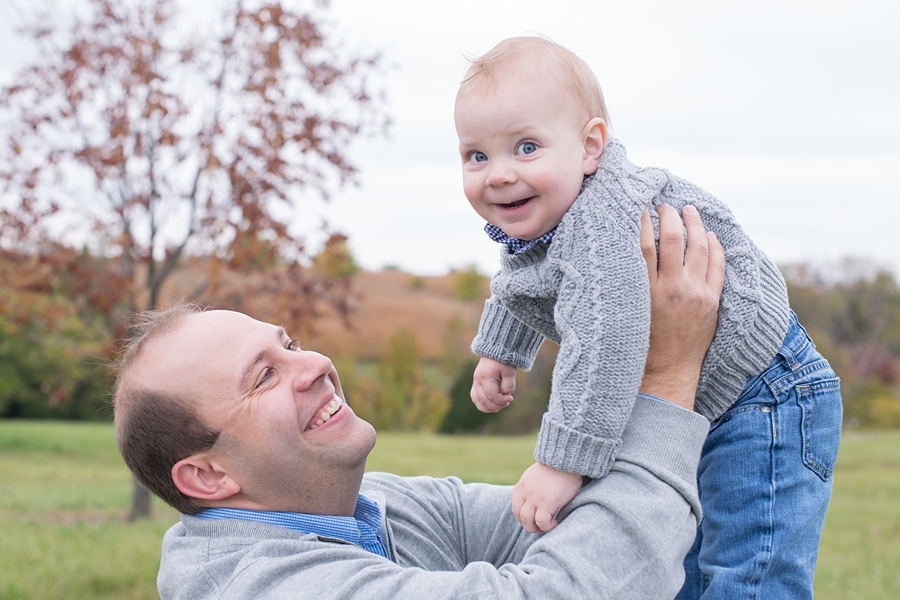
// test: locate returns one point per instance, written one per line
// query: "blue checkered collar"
(362, 529)
(515, 245)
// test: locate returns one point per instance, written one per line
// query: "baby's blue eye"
(527, 148)
(478, 156)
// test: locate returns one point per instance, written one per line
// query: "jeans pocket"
(822, 413)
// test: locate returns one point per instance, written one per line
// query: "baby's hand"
(539, 495)
(492, 385)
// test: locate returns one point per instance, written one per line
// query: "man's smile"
(326, 413)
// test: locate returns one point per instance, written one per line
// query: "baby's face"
(523, 152)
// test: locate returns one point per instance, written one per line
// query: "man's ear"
(594, 135)
(201, 477)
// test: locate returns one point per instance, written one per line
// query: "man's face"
(523, 153)
(288, 438)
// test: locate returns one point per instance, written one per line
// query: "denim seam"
(788, 380)
(808, 406)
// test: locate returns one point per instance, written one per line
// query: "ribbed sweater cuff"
(566, 449)
(762, 337)
(655, 427)
(506, 339)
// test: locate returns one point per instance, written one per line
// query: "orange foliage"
(155, 145)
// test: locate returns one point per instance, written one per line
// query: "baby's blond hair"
(573, 76)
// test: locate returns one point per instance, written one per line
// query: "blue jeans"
(765, 481)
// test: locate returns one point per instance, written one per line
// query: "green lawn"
(64, 494)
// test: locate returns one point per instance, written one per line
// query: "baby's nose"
(500, 173)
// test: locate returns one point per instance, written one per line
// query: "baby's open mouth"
(517, 203)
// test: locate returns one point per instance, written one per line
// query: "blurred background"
(297, 160)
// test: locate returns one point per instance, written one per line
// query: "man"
(249, 436)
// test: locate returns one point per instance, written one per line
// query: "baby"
(558, 191)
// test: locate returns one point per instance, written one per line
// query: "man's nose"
(500, 172)
(308, 367)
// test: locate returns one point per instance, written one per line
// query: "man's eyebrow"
(245, 381)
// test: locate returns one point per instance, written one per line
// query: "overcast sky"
(789, 111)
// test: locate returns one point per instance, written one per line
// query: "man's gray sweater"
(587, 290)
(622, 537)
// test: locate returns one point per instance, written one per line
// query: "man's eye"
(267, 374)
(478, 156)
(293, 346)
(527, 148)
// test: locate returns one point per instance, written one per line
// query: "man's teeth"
(329, 409)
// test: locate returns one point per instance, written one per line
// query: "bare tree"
(147, 138)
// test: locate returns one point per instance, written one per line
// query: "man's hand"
(540, 493)
(684, 300)
(492, 385)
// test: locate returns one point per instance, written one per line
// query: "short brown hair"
(574, 76)
(154, 430)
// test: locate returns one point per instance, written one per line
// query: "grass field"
(64, 493)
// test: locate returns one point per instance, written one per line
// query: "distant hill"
(391, 300)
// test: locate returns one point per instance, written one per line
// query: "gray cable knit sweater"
(587, 291)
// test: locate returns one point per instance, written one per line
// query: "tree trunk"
(140, 499)
(140, 502)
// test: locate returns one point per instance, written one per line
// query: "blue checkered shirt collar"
(363, 529)
(515, 245)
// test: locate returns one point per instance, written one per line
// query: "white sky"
(788, 111)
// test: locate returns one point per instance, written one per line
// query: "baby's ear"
(594, 136)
